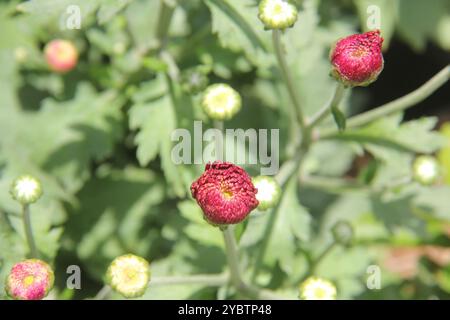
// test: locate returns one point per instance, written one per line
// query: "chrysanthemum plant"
(102, 144)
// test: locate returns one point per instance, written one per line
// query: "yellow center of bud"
(28, 281)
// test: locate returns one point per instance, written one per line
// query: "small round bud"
(129, 275)
(61, 55)
(342, 232)
(193, 81)
(315, 288)
(426, 170)
(221, 102)
(225, 193)
(357, 60)
(269, 192)
(26, 189)
(29, 280)
(277, 14)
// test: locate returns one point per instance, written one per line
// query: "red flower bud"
(225, 193)
(61, 55)
(357, 59)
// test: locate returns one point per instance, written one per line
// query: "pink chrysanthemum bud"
(30, 279)
(225, 193)
(61, 55)
(357, 60)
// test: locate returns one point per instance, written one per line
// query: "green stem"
(232, 257)
(104, 293)
(29, 231)
(287, 77)
(324, 253)
(235, 270)
(165, 16)
(211, 280)
(397, 105)
(326, 110)
(287, 172)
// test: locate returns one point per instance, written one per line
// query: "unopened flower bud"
(357, 60)
(269, 192)
(26, 189)
(225, 193)
(29, 280)
(277, 14)
(315, 288)
(342, 232)
(221, 102)
(61, 55)
(426, 170)
(129, 275)
(193, 80)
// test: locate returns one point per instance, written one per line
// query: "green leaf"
(292, 224)
(75, 132)
(237, 25)
(110, 8)
(444, 153)
(412, 136)
(418, 20)
(346, 268)
(121, 218)
(51, 12)
(434, 201)
(198, 229)
(11, 250)
(143, 29)
(155, 118)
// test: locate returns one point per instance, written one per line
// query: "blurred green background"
(98, 138)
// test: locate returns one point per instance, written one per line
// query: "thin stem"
(104, 293)
(211, 280)
(29, 231)
(397, 105)
(324, 253)
(287, 77)
(232, 257)
(235, 270)
(326, 109)
(165, 17)
(287, 172)
(331, 184)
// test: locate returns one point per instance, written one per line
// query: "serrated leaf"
(239, 29)
(291, 225)
(412, 136)
(155, 118)
(119, 219)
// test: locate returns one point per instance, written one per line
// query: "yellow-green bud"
(26, 189)
(342, 232)
(221, 102)
(315, 288)
(277, 14)
(269, 192)
(129, 275)
(426, 170)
